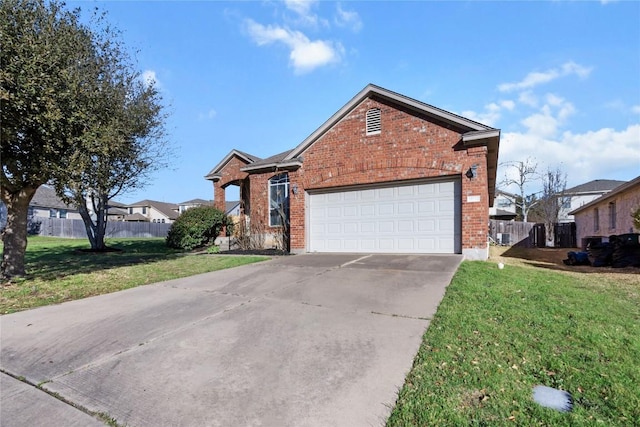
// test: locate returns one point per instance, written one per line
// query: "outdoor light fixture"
(294, 189)
(472, 172)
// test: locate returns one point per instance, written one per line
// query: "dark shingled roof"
(595, 186)
(273, 159)
(170, 210)
(46, 197)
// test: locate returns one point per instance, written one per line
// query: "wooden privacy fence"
(74, 228)
(514, 233)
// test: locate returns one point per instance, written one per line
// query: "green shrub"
(196, 227)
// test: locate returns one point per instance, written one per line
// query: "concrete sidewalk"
(306, 340)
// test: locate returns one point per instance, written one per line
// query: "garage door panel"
(416, 218)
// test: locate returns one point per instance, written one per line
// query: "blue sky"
(561, 79)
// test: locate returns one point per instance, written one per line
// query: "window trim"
(281, 179)
(612, 215)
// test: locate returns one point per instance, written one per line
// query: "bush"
(196, 227)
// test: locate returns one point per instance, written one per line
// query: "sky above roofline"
(562, 84)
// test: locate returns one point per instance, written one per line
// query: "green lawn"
(59, 270)
(498, 333)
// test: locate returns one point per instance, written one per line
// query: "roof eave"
(607, 196)
(370, 90)
(292, 164)
(215, 171)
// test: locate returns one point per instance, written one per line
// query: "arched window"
(278, 199)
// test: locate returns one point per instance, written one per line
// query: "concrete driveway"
(305, 340)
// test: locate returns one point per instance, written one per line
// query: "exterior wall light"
(294, 189)
(472, 172)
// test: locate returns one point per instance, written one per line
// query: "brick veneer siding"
(231, 174)
(626, 203)
(408, 147)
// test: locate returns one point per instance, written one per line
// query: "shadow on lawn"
(51, 261)
(551, 258)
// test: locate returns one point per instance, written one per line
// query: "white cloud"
(583, 156)
(304, 15)
(536, 78)
(546, 121)
(211, 114)
(508, 105)
(305, 55)
(528, 98)
(635, 109)
(301, 7)
(346, 18)
(149, 78)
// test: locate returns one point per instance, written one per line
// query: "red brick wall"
(231, 173)
(408, 147)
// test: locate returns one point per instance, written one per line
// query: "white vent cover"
(373, 121)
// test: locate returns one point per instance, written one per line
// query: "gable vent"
(373, 121)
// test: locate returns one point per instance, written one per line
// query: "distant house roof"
(46, 197)
(199, 202)
(595, 186)
(170, 210)
(506, 193)
(229, 206)
(136, 217)
(610, 195)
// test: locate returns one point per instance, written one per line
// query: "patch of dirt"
(265, 252)
(474, 399)
(551, 258)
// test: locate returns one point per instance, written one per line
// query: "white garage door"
(416, 218)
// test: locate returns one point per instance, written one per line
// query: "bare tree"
(554, 184)
(525, 173)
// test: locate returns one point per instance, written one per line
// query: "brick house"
(609, 214)
(385, 173)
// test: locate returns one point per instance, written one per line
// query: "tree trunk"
(95, 230)
(14, 236)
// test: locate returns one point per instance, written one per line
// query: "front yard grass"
(498, 333)
(61, 270)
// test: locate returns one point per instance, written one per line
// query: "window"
(278, 199)
(565, 203)
(163, 220)
(144, 210)
(612, 215)
(596, 219)
(53, 213)
(63, 213)
(130, 211)
(504, 203)
(373, 121)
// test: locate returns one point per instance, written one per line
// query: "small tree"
(197, 227)
(636, 219)
(554, 183)
(524, 173)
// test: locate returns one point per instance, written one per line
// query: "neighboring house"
(151, 211)
(504, 206)
(609, 214)
(116, 211)
(580, 195)
(386, 173)
(46, 204)
(232, 208)
(194, 203)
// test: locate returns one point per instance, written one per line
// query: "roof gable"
(475, 129)
(595, 186)
(633, 184)
(245, 157)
